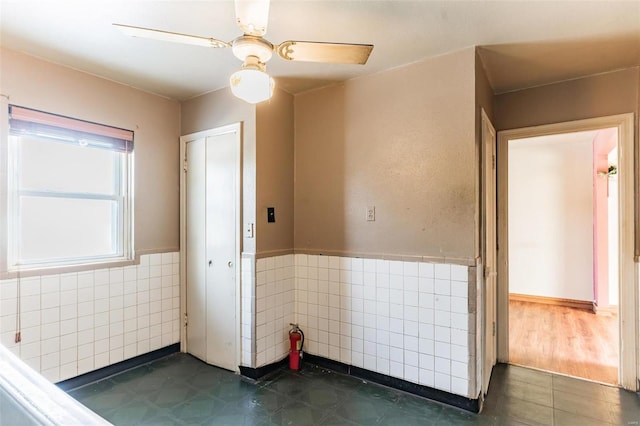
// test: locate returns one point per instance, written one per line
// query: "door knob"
(210, 262)
(230, 264)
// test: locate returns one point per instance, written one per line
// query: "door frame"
(488, 243)
(231, 128)
(628, 279)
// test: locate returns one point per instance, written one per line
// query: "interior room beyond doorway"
(563, 254)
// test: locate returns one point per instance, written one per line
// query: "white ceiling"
(525, 42)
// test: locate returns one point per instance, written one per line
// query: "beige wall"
(274, 172)
(37, 84)
(219, 108)
(613, 93)
(402, 140)
(595, 96)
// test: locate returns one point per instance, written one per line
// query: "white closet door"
(211, 240)
(221, 187)
(196, 257)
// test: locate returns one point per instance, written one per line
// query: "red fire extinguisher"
(296, 338)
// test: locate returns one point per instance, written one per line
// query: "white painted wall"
(551, 216)
(612, 203)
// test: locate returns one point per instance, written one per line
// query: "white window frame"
(122, 216)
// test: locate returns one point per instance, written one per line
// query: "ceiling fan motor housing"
(245, 46)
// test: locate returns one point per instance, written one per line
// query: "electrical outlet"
(371, 213)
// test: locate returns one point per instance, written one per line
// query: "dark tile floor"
(180, 389)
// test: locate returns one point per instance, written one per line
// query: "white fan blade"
(169, 36)
(252, 16)
(335, 53)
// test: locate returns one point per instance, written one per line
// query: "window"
(69, 191)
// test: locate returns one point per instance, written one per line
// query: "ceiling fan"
(252, 83)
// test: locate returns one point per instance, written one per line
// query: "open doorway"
(562, 318)
(605, 295)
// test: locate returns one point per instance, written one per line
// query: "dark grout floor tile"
(181, 389)
(579, 405)
(520, 410)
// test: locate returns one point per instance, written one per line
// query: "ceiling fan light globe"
(252, 16)
(251, 85)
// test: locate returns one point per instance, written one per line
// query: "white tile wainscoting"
(409, 320)
(74, 323)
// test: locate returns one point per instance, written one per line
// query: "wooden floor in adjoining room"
(564, 340)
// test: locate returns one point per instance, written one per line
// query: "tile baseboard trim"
(257, 373)
(464, 261)
(110, 370)
(472, 405)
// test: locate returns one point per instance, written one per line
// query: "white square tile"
(459, 321)
(382, 266)
(30, 286)
(442, 334)
(426, 361)
(442, 318)
(443, 350)
(382, 337)
(459, 337)
(426, 331)
(334, 262)
(426, 300)
(396, 282)
(411, 373)
(323, 261)
(442, 271)
(426, 346)
(411, 298)
(425, 270)
(357, 359)
(357, 345)
(426, 285)
(369, 348)
(426, 378)
(442, 381)
(396, 369)
(382, 366)
(459, 305)
(382, 281)
(382, 295)
(370, 334)
(459, 386)
(396, 309)
(382, 351)
(442, 287)
(50, 284)
(396, 340)
(442, 303)
(411, 343)
(396, 267)
(460, 369)
(459, 289)
(369, 265)
(396, 325)
(426, 316)
(357, 264)
(459, 353)
(411, 284)
(411, 328)
(459, 273)
(442, 365)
